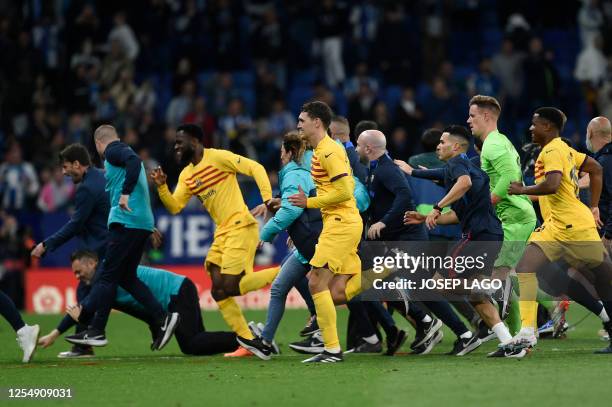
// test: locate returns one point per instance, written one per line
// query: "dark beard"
(186, 157)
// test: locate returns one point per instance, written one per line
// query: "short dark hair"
(83, 254)
(365, 125)
(459, 131)
(192, 130)
(430, 139)
(319, 110)
(75, 152)
(553, 115)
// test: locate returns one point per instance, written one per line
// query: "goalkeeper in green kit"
(500, 160)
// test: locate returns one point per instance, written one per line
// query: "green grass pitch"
(558, 373)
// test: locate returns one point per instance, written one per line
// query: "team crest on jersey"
(198, 183)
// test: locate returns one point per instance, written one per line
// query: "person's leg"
(324, 305)
(292, 271)
(490, 315)
(9, 311)
(533, 260)
(363, 325)
(302, 287)
(190, 333)
(246, 241)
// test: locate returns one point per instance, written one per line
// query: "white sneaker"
(27, 338)
(526, 337)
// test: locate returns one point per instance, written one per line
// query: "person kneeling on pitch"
(174, 292)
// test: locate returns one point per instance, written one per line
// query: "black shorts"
(474, 255)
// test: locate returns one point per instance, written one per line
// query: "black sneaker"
(395, 342)
(484, 333)
(90, 337)
(77, 352)
(366, 347)
(257, 347)
(428, 346)
(325, 357)
(508, 352)
(166, 330)
(311, 327)
(313, 344)
(425, 330)
(463, 346)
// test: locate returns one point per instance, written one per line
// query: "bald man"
(599, 142)
(130, 222)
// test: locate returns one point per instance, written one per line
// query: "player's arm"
(341, 192)
(283, 218)
(462, 185)
(504, 166)
(595, 171)
(121, 155)
(549, 186)
(173, 201)
(434, 174)
(84, 205)
(395, 182)
(251, 168)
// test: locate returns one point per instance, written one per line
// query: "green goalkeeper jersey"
(500, 160)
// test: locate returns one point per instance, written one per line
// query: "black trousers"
(123, 255)
(192, 337)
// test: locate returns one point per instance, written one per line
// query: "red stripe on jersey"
(206, 181)
(211, 184)
(199, 172)
(213, 176)
(319, 170)
(319, 176)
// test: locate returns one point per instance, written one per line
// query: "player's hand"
(158, 176)
(156, 238)
(74, 311)
(432, 219)
(413, 218)
(289, 243)
(38, 251)
(298, 199)
(123, 203)
(49, 339)
(404, 166)
(375, 229)
(273, 204)
(495, 199)
(595, 212)
(516, 188)
(259, 210)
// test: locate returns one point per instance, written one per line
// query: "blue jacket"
(88, 222)
(290, 176)
(125, 175)
(604, 157)
(391, 197)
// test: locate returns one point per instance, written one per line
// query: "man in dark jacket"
(599, 142)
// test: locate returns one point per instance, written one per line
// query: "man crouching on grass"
(468, 195)
(174, 292)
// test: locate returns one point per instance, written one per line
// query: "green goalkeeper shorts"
(515, 240)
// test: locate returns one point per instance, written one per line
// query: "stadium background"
(242, 69)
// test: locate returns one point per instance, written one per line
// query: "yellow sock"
(326, 318)
(353, 286)
(257, 279)
(528, 286)
(233, 317)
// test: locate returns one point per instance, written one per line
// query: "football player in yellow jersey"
(336, 267)
(210, 175)
(569, 230)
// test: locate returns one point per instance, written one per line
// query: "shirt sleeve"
(283, 218)
(175, 201)
(552, 160)
(435, 174)
(398, 185)
(458, 169)
(121, 155)
(503, 165)
(84, 205)
(237, 163)
(579, 159)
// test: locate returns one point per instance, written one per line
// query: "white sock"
(371, 339)
(603, 315)
(427, 319)
(466, 335)
(502, 332)
(333, 350)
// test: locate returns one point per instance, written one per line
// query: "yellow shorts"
(337, 246)
(234, 251)
(577, 247)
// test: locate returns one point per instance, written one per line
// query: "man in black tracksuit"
(599, 142)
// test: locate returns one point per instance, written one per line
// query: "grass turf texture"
(126, 372)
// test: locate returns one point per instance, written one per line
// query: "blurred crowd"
(242, 69)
